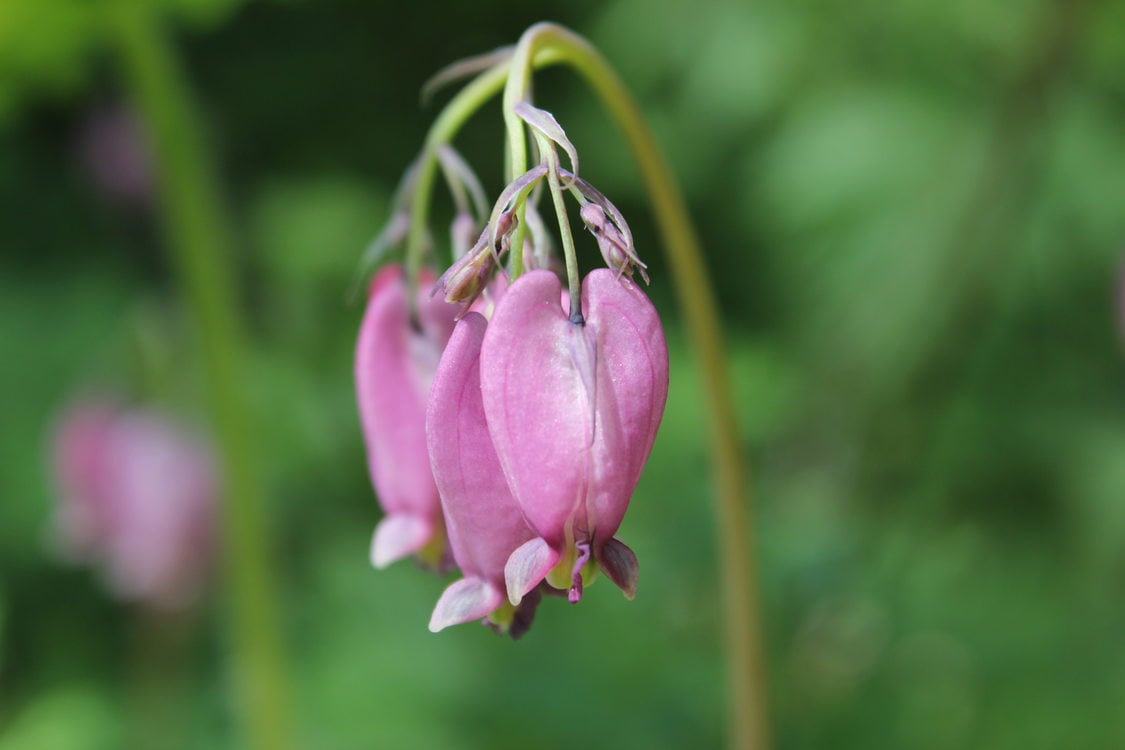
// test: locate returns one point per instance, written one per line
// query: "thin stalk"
(201, 250)
(573, 278)
(747, 713)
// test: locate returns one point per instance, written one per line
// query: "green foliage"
(47, 46)
(915, 213)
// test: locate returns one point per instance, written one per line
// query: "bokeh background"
(915, 215)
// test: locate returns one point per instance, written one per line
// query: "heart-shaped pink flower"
(573, 407)
(396, 357)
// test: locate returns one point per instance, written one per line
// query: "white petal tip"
(464, 601)
(398, 536)
(527, 566)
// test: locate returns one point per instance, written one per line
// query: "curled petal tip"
(619, 563)
(464, 601)
(397, 536)
(527, 566)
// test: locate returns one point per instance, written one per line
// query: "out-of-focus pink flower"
(483, 520)
(572, 409)
(396, 357)
(137, 498)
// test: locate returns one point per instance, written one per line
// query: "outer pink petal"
(394, 365)
(632, 388)
(482, 519)
(535, 403)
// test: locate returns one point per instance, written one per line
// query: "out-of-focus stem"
(201, 249)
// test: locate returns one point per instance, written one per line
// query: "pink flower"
(482, 518)
(137, 497)
(394, 364)
(572, 409)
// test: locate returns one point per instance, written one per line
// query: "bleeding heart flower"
(137, 497)
(572, 409)
(396, 356)
(482, 519)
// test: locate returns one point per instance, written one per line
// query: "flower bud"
(614, 245)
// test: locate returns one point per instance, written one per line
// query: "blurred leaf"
(73, 717)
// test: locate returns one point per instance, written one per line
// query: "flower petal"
(535, 403)
(482, 519)
(464, 601)
(619, 563)
(395, 362)
(632, 390)
(399, 535)
(527, 566)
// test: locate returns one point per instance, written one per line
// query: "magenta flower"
(395, 360)
(137, 498)
(572, 408)
(482, 519)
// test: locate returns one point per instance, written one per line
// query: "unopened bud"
(611, 241)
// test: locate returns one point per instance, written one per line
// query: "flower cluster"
(507, 419)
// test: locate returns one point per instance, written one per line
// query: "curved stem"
(201, 248)
(742, 619)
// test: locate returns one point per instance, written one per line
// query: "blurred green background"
(915, 215)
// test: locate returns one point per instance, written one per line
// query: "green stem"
(747, 714)
(201, 247)
(573, 278)
(520, 68)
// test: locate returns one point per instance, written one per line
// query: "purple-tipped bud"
(394, 365)
(573, 409)
(615, 246)
(482, 519)
(463, 282)
(137, 498)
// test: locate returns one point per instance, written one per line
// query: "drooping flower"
(483, 520)
(137, 498)
(572, 408)
(396, 355)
